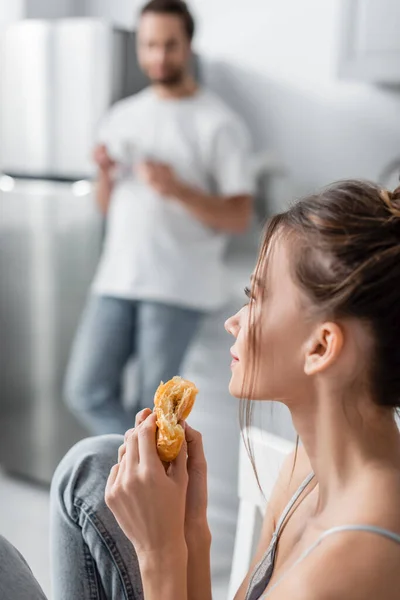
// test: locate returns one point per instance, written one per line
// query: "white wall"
(11, 11)
(277, 65)
(274, 61)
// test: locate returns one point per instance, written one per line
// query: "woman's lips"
(235, 359)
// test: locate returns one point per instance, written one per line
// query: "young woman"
(321, 333)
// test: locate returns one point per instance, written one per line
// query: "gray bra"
(262, 573)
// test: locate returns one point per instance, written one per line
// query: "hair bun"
(392, 201)
(396, 194)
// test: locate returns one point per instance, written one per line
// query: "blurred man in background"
(174, 181)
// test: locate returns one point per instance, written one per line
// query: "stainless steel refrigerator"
(57, 80)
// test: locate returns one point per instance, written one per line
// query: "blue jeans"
(16, 578)
(112, 330)
(91, 557)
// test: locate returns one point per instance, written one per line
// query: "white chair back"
(269, 452)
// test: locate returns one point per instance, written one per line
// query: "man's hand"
(102, 158)
(160, 176)
(225, 213)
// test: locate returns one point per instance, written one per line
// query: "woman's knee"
(83, 472)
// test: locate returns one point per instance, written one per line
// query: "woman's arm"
(165, 575)
(149, 506)
(198, 541)
(197, 532)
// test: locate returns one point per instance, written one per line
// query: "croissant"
(173, 402)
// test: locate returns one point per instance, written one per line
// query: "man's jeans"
(113, 330)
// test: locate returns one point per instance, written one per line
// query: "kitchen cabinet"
(49, 9)
(370, 41)
(121, 13)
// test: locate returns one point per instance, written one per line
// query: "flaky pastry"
(173, 402)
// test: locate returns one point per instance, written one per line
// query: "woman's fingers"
(178, 469)
(132, 449)
(113, 475)
(142, 416)
(139, 419)
(195, 448)
(140, 443)
(108, 495)
(146, 435)
(128, 433)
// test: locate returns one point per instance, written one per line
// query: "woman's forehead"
(274, 263)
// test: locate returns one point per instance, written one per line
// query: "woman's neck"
(345, 438)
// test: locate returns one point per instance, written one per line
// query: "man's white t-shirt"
(155, 249)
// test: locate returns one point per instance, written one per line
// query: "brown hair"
(178, 8)
(347, 261)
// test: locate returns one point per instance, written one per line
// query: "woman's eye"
(247, 292)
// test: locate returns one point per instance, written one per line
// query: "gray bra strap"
(285, 513)
(390, 535)
(395, 537)
(272, 546)
(291, 503)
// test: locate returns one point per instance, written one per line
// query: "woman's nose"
(232, 325)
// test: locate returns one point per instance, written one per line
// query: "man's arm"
(104, 185)
(104, 188)
(230, 213)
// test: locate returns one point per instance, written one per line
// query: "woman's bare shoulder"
(346, 566)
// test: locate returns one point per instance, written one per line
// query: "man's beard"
(170, 80)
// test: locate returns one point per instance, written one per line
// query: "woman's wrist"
(197, 531)
(164, 573)
(198, 539)
(162, 558)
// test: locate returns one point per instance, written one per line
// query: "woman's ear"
(323, 348)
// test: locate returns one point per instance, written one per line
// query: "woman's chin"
(235, 388)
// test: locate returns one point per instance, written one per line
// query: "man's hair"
(178, 8)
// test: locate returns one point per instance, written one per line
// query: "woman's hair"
(176, 8)
(344, 249)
